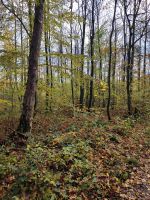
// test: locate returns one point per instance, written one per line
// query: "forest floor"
(77, 157)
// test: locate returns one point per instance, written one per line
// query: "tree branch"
(13, 12)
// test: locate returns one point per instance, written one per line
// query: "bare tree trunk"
(47, 72)
(128, 75)
(114, 68)
(99, 49)
(139, 66)
(82, 53)
(51, 71)
(145, 51)
(22, 62)
(26, 118)
(92, 33)
(125, 47)
(110, 62)
(72, 81)
(131, 49)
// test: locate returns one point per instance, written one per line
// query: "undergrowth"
(85, 158)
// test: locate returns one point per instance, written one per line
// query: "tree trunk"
(82, 53)
(110, 62)
(114, 69)
(99, 50)
(139, 65)
(26, 118)
(71, 51)
(145, 51)
(125, 47)
(47, 72)
(30, 16)
(128, 75)
(92, 54)
(51, 71)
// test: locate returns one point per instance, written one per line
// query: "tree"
(84, 10)
(145, 46)
(132, 22)
(75, 53)
(92, 34)
(25, 124)
(110, 61)
(71, 51)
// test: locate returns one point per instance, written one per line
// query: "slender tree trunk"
(114, 68)
(51, 72)
(22, 63)
(47, 72)
(125, 47)
(139, 65)
(145, 52)
(26, 118)
(131, 50)
(92, 54)
(99, 50)
(72, 74)
(87, 83)
(128, 75)
(22, 56)
(110, 62)
(82, 53)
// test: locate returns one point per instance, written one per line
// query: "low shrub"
(48, 171)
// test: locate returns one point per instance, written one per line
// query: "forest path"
(138, 186)
(123, 165)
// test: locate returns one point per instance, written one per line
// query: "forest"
(75, 99)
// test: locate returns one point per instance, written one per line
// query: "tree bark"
(139, 65)
(145, 51)
(82, 53)
(131, 50)
(47, 72)
(71, 51)
(92, 54)
(114, 68)
(26, 118)
(110, 62)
